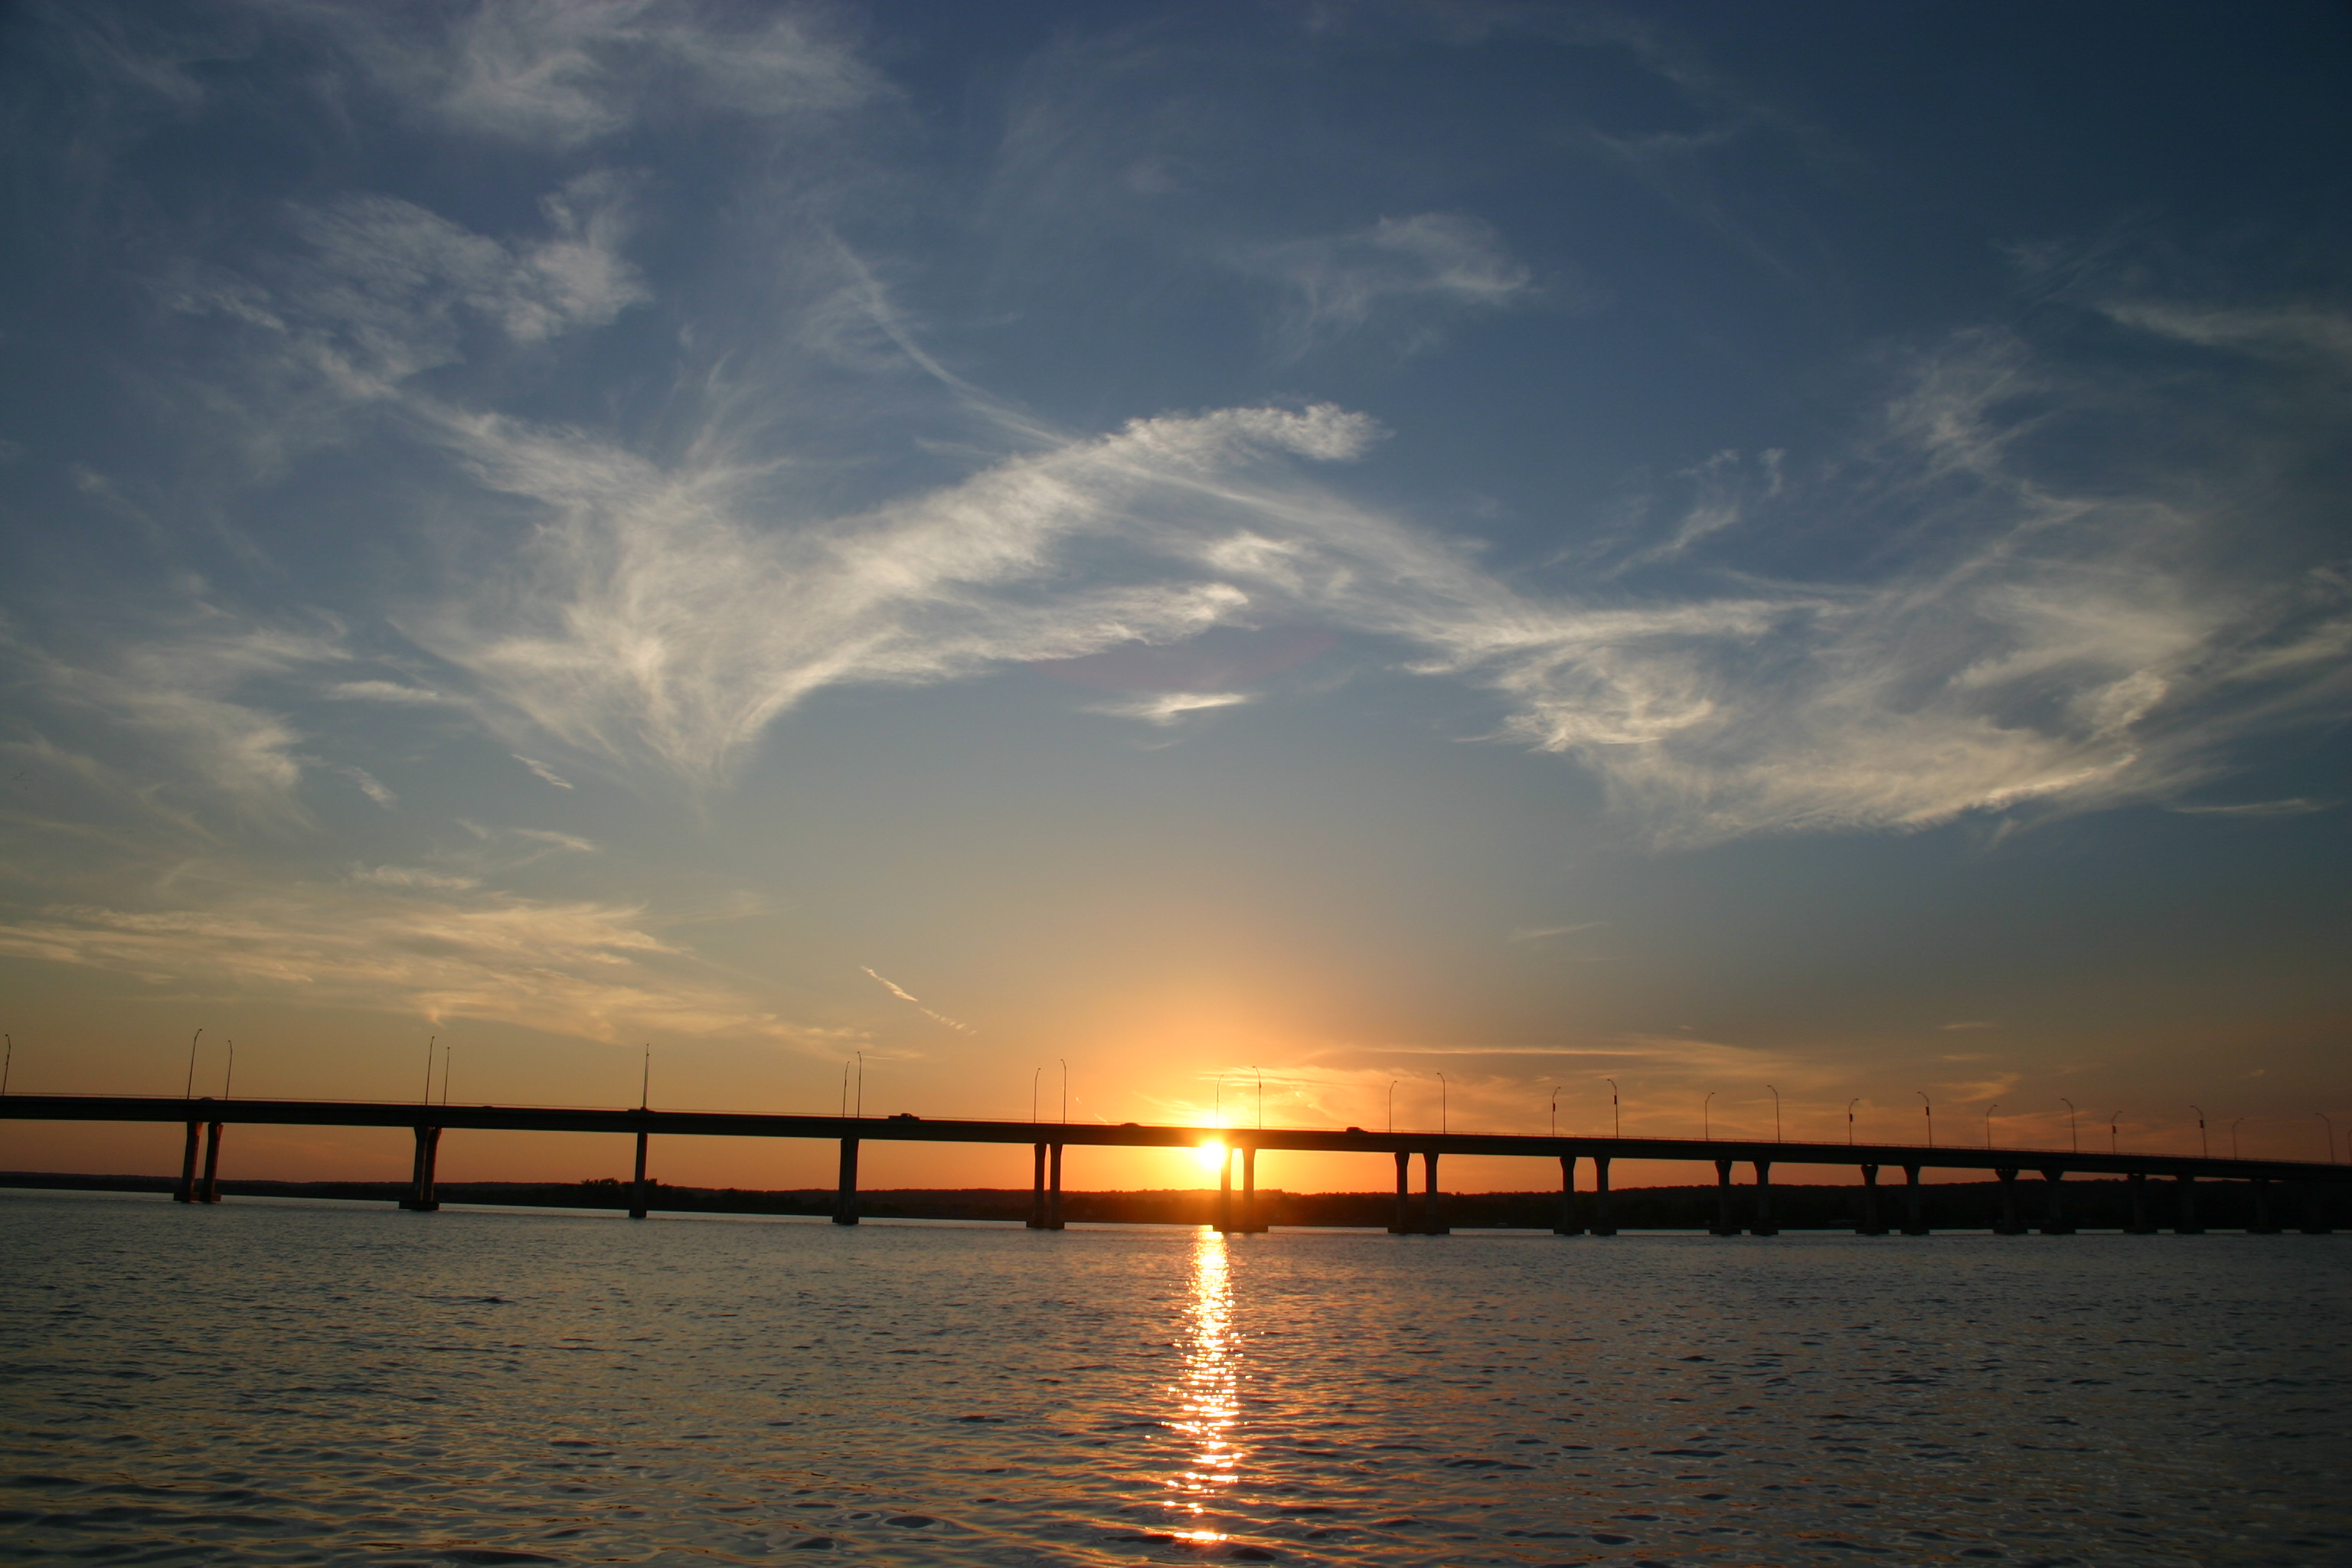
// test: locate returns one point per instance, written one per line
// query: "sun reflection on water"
(1208, 1395)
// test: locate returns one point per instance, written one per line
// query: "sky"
(1360, 563)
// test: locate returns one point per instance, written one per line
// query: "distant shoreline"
(2092, 1205)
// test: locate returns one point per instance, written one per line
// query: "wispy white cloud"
(415, 876)
(565, 73)
(181, 695)
(1413, 273)
(1726, 490)
(370, 785)
(544, 773)
(1541, 933)
(2304, 333)
(393, 939)
(566, 841)
(903, 995)
(391, 691)
(892, 987)
(362, 294)
(2294, 806)
(1951, 1094)
(1167, 706)
(656, 616)
(389, 280)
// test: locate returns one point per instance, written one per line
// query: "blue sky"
(1710, 546)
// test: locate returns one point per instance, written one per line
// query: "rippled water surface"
(267, 1384)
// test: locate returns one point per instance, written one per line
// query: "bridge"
(1421, 1213)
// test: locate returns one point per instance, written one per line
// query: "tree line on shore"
(2090, 1204)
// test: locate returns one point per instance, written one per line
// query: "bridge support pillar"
(2053, 1211)
(637, 1186)
(1763, 1226)
(1250, 1221)
(1225, 1194)
(1037, 1186)
(2184, 1221)
(1604, 1222)
(845, 1192)
(186, 1192)
(2135, 1183)
(1053, 1186)
(1566, 1224)
(420, 1195)
(1402, 1224)
(1914, 1217)
(2008, 1223)
(210, 1192)
(1432, 1202)
(1870, 1224)
(416, 1170)
(2315, 1210)
(2264, 1223)
(1724, 1224)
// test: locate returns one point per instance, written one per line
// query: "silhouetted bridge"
(1416, 1214)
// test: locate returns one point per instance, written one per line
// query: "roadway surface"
(1129, 1135)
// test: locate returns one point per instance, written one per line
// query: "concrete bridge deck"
(1047, 1140)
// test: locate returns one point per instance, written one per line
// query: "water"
(276, 1384)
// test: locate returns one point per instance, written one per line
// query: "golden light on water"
(1208, 1395)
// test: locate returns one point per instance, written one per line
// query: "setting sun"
(1210, 1154)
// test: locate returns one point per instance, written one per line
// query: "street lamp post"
(1554, 1110)
(1392, 1083)
(1707, 1117)
(1849, 1118)
(1988, 1110)
(2204, 1144)
(2073, 1139)
(199, 1034)
(1776, 1113)
(1927, 1107)
(644, 1081)
(7, 1064)
(228, 1078)
(432, 1042)
(1040, 1072)
(1616, 1121)
(2111, 1132)
(2331, 1134)
(2233, 1136)
(1445, 1117)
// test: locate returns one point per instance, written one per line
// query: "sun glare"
(1210, 1154)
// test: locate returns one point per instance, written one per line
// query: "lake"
(277, 1383)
